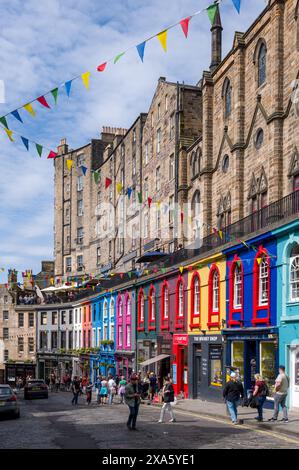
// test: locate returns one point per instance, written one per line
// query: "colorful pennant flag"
(118, 57)
(181, 269)
(108, 183)
(85, 78)
(42, 100)
(25, 142)
(68, 87)
(39, 149)
(9, 134)
(149, 201)
(185, 25)
(69, 164)
(119, 187)
(212, 10)
(16, 115)
(129, 192)
(102, 67)
(52, 154)
(4, 122)
(55, 94)
(237, 5)
(163, 39)
(29, 109)
(140, 49)
(96, 176)
(84, 170)
(140, 198)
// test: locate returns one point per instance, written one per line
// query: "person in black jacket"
(168, 397)
(232, 393)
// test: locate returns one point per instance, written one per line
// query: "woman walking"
(89, 387)
(168, 397)
(122, 389)
(104, 391)
(260, 392)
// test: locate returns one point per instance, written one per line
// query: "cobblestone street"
(55, 424)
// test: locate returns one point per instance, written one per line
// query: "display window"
(216, 366)
(238, 357)
(267, 363)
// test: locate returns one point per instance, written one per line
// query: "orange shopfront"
(180, 364)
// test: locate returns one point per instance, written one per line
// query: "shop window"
(215, 357)
(267, 363)
(165, 306)
(141, 310)
(195, 301)
(152, 308)
(294, 274)
(237, 361)
(214, 298)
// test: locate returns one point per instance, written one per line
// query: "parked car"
(35, 388)
(8, 401)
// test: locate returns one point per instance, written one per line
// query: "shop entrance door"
(294, 377)
(250, 365)
(197, 375)
(180, 370)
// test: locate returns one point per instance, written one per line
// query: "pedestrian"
(111, 389)
(168, 398)
(75, 390)
(281, 389)
(122, 389)
(57, 384)
(52, 381)
(260, 393)
(89, 387)
(104, 391)
(132, 398)
(152, 386)
(98, 388)
(232, 393)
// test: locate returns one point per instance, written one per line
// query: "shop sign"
(215, 353)
(180, 339)
(208, 339)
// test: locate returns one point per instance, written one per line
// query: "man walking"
(232, 393)
(75, 390)
(111, 389)
(281, 389)
(132, 399)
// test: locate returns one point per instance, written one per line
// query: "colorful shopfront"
(207, 313)
(288, 305)
(251, 333)
(125, 333)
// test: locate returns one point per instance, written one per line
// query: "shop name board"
(201, 339)
(180, 339)
(215, 353)
(251, 337)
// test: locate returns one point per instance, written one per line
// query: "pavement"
(246, 415)
(56, 424)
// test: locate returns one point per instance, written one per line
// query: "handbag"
(254, 402)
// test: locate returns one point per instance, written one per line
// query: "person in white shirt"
(111, 389)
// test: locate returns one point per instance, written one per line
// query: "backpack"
(265, 391)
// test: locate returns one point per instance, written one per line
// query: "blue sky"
(45, 43)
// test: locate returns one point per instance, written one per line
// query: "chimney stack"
(216, 31)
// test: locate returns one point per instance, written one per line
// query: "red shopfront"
(180, 364)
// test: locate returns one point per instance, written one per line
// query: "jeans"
(111, 396)
(134, 410)
(280, 400)
(233, 410)
(167, 407)
(75, 398)
(260, 401)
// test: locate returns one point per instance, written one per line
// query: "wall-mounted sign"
(180, 339)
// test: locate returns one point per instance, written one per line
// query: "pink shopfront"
(125, 337)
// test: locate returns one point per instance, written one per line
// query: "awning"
(154, 360)
(151, 256)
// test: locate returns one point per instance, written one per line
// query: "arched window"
(127, 333)
(216, 291)
(262, 64)
(261, 288)
(152, 308)
(214, 297)
(180, 305)
(196, 214)
(263, 281)
(195, 301)
(238, 287)
(165, 306)
(141, 310)
(297, 24)
(105, 309)
(129, 306)
(194, 164)
(111, 308)
(294, 274)
(227, 97)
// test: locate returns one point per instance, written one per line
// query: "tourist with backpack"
(260, 393)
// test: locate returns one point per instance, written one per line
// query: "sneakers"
(172, 420)
(272, 420)
(284, 420)
(235, 423)
(160, 421)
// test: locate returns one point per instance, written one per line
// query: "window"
(5, 333)
(120, 336)
(158, 178)
(80, 263)
(105, 334)
(5, 315)
(98, 256)
(146, 193)
(111, 309)
(70, 317)
(166, 103)
(214, 297)
(68, 264)
(20, 345)
(194, 164)
(262, 64)
(196, 215)
(171, 210)
(259, 139)
(43, 339)
(263, 282)
(30, 345)
(54, 318)
(146, 153)
(195, 300)
(6, 355)
(215, 357)
(63, 317)
(105, 310)
(111, 332)
(225, 164)
(238, 287)
(80, 208)
(63, 339)
(227, 97)
(294, 274)
(216, 291)
(80, 236)
(171, 167)
(31, 320)
(21, 320)
(44, 318)
(80, 183)
(80, 160)
(158, 221)
(141, 310)
(165, 306)
(180, 300)
(134, 166)
(152, 308)
(172, 126)
(158, 140)
(128, 335)
(5, 298)
(70, 345)
(159, 110)
(54, 339)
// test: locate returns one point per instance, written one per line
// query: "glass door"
(267, 363)
(238, 358)
(295, 377)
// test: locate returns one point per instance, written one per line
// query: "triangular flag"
(29, 109)
(4, 122)
(140, 49)
(163, 39)
(220, 234)
(42, 100)
(140, 198)
(52, 154)
(212, 10)
(237, 4)
(55, 94)
(69, 164)
(102, 67)
(118, 57)
(108, 183)
(85, 78)
(181, 269)
(84, 170)
(239, 263)
(259, 260)
(129, 192)
(130, 274)
(9, 134)
(16, 115)
(185, 25)
(119, 187)
(96, 176)
(25, 142)
(39, 149)
(149, 201)
(68, 87)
